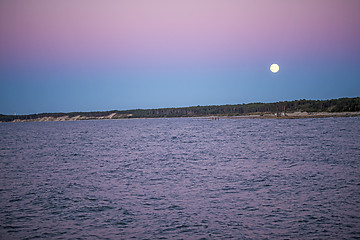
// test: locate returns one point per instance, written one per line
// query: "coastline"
(297, 115)
(290, 115)
(342, 107)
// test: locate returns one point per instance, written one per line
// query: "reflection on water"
(181, 178)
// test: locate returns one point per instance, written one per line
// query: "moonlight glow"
(274, 68)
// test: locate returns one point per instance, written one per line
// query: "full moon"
(274, 68)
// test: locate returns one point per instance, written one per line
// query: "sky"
(98, 55)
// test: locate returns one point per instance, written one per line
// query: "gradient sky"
(93, 55)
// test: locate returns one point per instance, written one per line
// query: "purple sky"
(87, 55)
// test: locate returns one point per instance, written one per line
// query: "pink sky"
(186, 31)
(56, 55)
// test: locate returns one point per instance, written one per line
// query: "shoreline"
(342, 107)
(298, 115)
(290, 115)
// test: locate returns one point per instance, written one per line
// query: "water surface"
(182, 178)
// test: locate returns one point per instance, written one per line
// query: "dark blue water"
(181, 179)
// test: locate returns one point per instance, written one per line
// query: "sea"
(181, 178)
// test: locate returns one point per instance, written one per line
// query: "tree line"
(333, 105)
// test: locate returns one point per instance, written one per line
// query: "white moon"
(274, 68)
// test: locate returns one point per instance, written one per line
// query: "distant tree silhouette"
(333, 105)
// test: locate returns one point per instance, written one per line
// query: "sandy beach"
(290, 115)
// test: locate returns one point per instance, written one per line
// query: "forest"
(333, 105)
